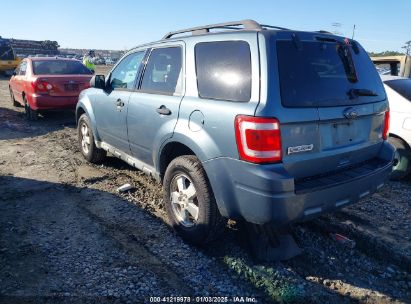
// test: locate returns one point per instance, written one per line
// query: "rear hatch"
(332, 103)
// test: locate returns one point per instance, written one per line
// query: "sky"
(120, 25)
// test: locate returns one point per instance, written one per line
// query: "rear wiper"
(360, 92)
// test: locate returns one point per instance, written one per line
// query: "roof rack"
(247, 24)
(266, 26)
(324, 32)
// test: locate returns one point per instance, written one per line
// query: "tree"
(407, 47)
(385, 53)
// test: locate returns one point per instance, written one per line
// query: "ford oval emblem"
(350, 113)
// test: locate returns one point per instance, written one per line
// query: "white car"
(398, 91)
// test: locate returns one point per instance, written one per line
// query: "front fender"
(85, 105)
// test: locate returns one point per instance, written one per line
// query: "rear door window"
(23, 68)
(321, 74)
(224, 70)
(401, 86)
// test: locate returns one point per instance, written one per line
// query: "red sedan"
(48, 84)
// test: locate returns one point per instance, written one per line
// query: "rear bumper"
(44, 102)
(267, 194)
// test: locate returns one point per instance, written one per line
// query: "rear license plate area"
(343, 133)
(71, 87)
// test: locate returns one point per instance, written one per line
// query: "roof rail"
(266, 26)
(324, 32)
(248, 24)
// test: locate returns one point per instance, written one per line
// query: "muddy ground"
(66, 235)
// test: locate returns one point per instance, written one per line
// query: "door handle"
(119, 103)
(163, 110)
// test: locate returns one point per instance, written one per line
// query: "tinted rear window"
(59, 67)
(224, 70)
(320, 74)
(401, 86)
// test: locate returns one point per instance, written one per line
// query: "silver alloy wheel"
(85, 138)
(184, 200)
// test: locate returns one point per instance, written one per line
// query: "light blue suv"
(244, 121)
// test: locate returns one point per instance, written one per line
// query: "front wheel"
(86, 141)
(402, 158)
(190, 202)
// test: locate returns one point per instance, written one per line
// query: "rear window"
(224, 70)
(323, 73)
(401, 86)
(59, 67)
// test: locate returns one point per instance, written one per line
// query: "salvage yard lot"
(67, 235)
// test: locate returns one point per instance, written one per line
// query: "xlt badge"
(298, 149)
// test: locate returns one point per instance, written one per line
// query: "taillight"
(386, 125)
(41, 86)
(258, 139)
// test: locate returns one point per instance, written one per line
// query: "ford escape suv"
(244, 121)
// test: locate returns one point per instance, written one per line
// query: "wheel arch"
(86, 108)
(400, 138)
(170, 151)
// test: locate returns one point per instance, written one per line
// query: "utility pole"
(353, 31)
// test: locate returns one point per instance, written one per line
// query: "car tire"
(192, 212)
(13, 100)
(86, 141)
(30, 114)
(402, 157)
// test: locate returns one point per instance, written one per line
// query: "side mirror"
(98, 82)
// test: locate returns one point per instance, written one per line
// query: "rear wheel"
(86, 141)
(13, 100)
(190, 202)
(29, 112)
(402, 158)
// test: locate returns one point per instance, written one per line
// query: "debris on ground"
(124, 188)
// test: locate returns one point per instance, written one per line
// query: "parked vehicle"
(252, 122)
(109, 61)
(399, 96)
(41, 84)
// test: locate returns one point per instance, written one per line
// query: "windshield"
(59, 67)
(6, 53)
(401, 86)
(324, 73)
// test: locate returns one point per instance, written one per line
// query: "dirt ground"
(66, 235)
